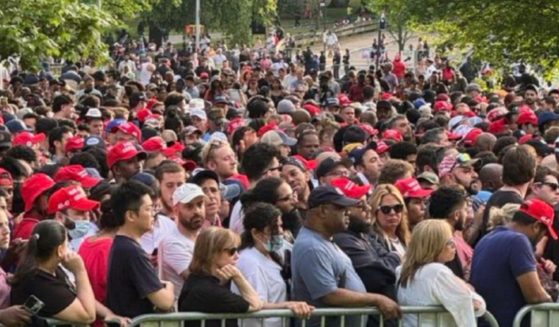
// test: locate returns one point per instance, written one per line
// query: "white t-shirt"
(237, 218)
(174, 256)
(162, 227)
(264, 275)
(436, 284)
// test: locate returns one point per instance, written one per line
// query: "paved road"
(359, 47)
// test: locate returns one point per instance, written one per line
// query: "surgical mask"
(81, 228)
(275, 243)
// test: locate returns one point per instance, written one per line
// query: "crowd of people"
(174, 181)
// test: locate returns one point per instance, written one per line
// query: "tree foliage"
(233, 17)
(398, 16)
(500, 31)
(36, 29)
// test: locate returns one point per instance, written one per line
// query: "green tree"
(36, 29)
(398, 17)
(233, 17)
(500, 31)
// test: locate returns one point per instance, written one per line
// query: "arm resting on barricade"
(532, 289)
(346, 298)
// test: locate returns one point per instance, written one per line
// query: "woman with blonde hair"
(424, 280)
(213, 267)
(390, 218)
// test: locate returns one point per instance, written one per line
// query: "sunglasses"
(232, 251)
(398, 208)
(552, 186)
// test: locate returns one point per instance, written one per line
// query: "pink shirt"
(4, 290)
(465, 253)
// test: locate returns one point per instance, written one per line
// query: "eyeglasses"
(398, 208)
(231, 251)
(552, 186)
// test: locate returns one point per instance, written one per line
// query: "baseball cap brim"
(468, 163)
(89, 182)
(344, 201)
(419, 194)
(84, 204)
(552, 232)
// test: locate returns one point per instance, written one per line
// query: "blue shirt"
(499, 258)
(319, 267)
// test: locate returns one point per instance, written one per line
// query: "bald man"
(490, 176)
(485, 141)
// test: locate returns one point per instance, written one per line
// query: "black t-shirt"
(498, 199)
(130, 279)
(56, 292)
(202, 293)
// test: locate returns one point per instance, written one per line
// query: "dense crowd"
(206, 182)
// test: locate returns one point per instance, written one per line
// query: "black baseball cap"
(327, 194)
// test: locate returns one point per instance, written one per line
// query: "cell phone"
(33, 304)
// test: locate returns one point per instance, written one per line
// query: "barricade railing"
(432, 314)
(542, 315)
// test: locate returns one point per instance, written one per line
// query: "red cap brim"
(84, 204)
(89, 182)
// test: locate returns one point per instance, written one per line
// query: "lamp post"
(381, 27)
(197, 13)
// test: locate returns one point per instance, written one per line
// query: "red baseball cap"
(527, 117)
(75, 143)
(471, 137)
(142, 114)
(350, 188)
(33, 187)
(540, 211)
(392, 134)
(309, 164)
(130, 129)
(410, 188)
(123, 151)
(172, 150)
(525, 138)
(154, 144)
(76, 173)
(382, 147)
(443, 106)
(71, 197)
(497, 126)
(28, 139)
(6, 178)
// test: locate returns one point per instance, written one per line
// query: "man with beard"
(504, 265)
(296, 171)
(322, 274)
(450, 203)
(457, 169)
(176, 248)
(373, 263)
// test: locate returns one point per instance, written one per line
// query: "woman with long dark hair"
(261, 265)
(40, 274)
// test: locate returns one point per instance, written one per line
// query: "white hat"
(186, 193)
(94, 113)
(196, 104)
(200, 113)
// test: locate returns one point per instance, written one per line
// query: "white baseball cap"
(200, 113)
(186, 193)
(94, 113)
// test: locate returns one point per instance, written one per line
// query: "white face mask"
(82, 227)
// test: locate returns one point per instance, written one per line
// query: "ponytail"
(46, 237)
(28, 264)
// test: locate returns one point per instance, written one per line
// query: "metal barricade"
(542, 315)
(177, 319)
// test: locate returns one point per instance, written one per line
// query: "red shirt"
(95, 255)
